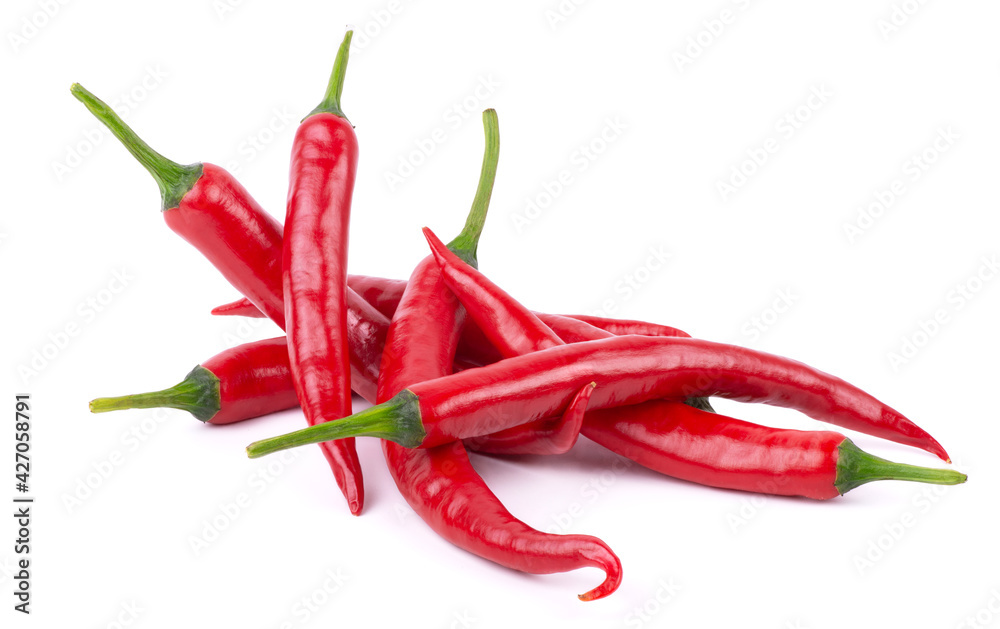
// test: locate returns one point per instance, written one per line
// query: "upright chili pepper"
(627, 370)
(207, 207)
(314, 263)
(440, 483)
(677, 439)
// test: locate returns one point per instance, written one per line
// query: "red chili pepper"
(207, 207)
(672, 437)
(510, 327)
(440, 483)
(551, 436)
(314, 264)
(710, 449)
(241, 307)
(668, 437)
(627, 370)
(384, 295)
(514, 331)
(571, 330)
(255, 379)
(381, 292)
(621, 327)
(238, 383)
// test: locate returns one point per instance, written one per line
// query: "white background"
(203, 77)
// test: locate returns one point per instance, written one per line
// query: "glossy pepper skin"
(440, 483)
(627, 370)
(208, 208)
(621, 327)
(255, 379)
(711, 449)
(631, 369)
(673, 437)
(514, 330)
(550, 436)
(247, 381)
(499, 318)
(383, 294)
(314, 269)
(458, 505)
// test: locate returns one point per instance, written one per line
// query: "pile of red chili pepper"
(451, 362)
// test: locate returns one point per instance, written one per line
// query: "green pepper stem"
(197, 394)
(174, 180)
(335, 87)
(396, 420)
(467, 242)
(856, 467)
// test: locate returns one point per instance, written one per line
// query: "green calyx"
(856, 467)
(335, 87)
(175, 180)
(396, 420)
(197, 394)
(467, 242)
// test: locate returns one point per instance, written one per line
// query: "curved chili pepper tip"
(855, 467)
(572, 420)
(335, 87)
(600, 556)
(937, 449)
(174, 180)
(197, 394)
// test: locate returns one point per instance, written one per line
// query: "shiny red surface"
(220, 218)
(440, 483)
(254, 380)
(314, 265)
(711, 449)
(633, 369)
